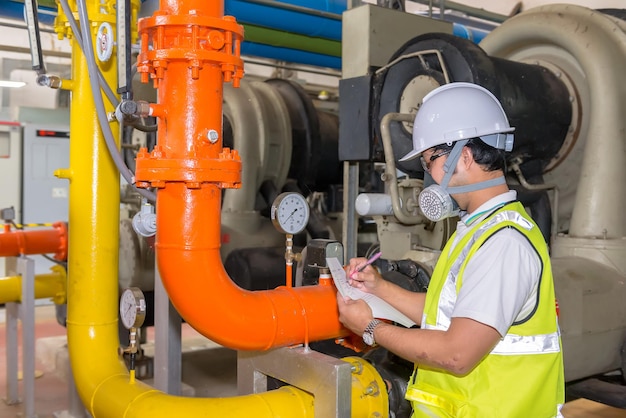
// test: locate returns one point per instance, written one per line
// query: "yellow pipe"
(104, 385)
(50, 285)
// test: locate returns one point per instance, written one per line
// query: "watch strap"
(369, 329)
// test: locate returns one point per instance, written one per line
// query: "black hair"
(492, 159)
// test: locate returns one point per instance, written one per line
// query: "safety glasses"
(426, 164)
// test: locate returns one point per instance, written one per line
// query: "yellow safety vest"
(523, 375)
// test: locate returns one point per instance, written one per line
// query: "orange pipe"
(37, 241)
(188, 242)
(288, 274)
(194, 49)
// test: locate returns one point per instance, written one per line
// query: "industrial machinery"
(556, 69)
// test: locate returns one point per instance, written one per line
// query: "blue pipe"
(260, 13)
(290, 55)
(14, 10)
(289, 20)
(472, 34)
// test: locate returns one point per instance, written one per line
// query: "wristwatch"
(368, 334)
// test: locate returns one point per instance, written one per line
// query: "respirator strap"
(453, 158)
(450, 165)
(476, 186)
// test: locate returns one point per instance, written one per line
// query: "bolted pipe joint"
(162, 42)
(156, 168)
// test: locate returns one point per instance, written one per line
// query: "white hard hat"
(457, 111)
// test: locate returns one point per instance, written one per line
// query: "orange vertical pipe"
(37, 241)
(189, 166)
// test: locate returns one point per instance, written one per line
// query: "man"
(489, 343)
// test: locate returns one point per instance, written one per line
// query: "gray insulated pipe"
(280, 135)
(587, 50)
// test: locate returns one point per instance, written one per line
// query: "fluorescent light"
(13, 84)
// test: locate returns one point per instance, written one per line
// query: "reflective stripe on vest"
(513, 344)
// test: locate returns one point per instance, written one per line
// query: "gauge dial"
(290, 213)
(132, 308)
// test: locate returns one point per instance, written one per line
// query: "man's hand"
(368, 280)
(354, 314)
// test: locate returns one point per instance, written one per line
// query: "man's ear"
(467, 157)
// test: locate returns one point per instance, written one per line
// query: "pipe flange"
(369, 390)
(204, 39)
(154, 170)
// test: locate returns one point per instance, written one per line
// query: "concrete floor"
(208, 370)
(51, 389)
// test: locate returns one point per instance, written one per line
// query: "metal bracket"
(327, 378)
(25, 312)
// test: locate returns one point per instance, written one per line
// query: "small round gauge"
(290, 213)
(132, 307)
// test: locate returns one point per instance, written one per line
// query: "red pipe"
(193, 51)
(18, 242)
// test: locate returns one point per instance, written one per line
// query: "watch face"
(368, 338)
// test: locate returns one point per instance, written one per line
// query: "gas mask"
(435, 201)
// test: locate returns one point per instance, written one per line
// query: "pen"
(367, 263)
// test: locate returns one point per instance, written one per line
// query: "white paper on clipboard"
(380, 308)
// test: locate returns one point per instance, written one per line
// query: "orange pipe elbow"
(18, 242)
(203, 293)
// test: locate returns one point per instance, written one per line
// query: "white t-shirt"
(501, 279)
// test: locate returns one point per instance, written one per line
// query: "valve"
(129, 111)
(144, 222)
(8, 216)
(47, 80)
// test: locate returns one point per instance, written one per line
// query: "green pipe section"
(262, 35)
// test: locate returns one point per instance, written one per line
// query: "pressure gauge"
(290, 213)
(132, 308)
